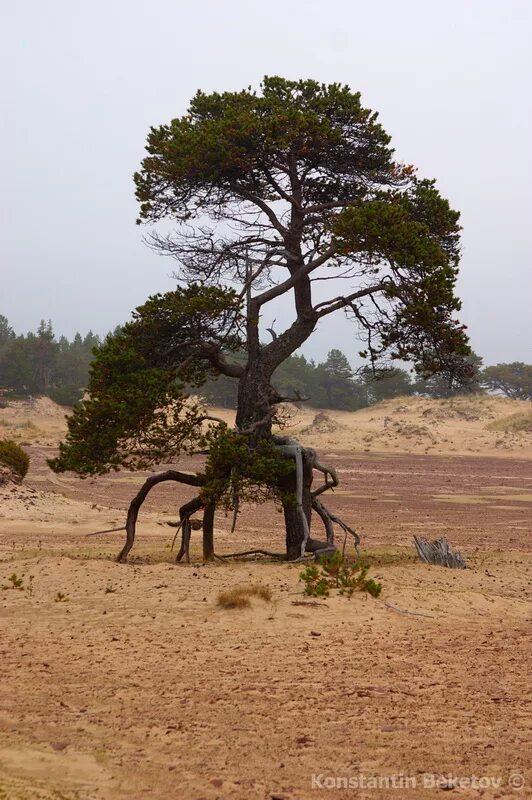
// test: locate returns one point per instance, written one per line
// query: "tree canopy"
(300, 178)
(269, 192)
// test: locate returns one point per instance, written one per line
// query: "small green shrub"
(12, 455)
(17, 582)
(336, 572)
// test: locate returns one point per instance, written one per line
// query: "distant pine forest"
(39, 363)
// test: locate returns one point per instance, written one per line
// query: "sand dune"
(462, 425)
(473, 424)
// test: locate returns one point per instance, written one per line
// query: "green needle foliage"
(233, 468)
(137, 413)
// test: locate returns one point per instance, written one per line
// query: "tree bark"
(208, 532)
(254, 399)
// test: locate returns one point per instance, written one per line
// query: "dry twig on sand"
(406, 611)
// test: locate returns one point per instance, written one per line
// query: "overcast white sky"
(82, 81)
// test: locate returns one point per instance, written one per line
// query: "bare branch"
(261, 423)
(329, 306)
(264, 207)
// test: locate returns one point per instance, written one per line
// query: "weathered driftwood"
(439, 552)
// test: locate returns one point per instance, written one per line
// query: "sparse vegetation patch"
(521, 422)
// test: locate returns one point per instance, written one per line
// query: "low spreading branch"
(138, 500)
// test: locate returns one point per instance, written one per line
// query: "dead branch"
(271, 330)
(309, 603)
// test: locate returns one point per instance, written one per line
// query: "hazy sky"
(82, 81)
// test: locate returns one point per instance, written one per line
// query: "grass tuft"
(239, 597)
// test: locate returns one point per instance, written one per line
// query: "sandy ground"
(129, 681)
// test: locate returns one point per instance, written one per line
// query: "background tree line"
(38, 363)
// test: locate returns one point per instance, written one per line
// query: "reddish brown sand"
(129, 681)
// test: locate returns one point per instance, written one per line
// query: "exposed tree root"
(293, 449)
(185, 524)
(308, 456)
(208, 531)
(306, 501)
(331, 477)
(328, 518)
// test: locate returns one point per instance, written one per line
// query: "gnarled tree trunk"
(256, 399)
